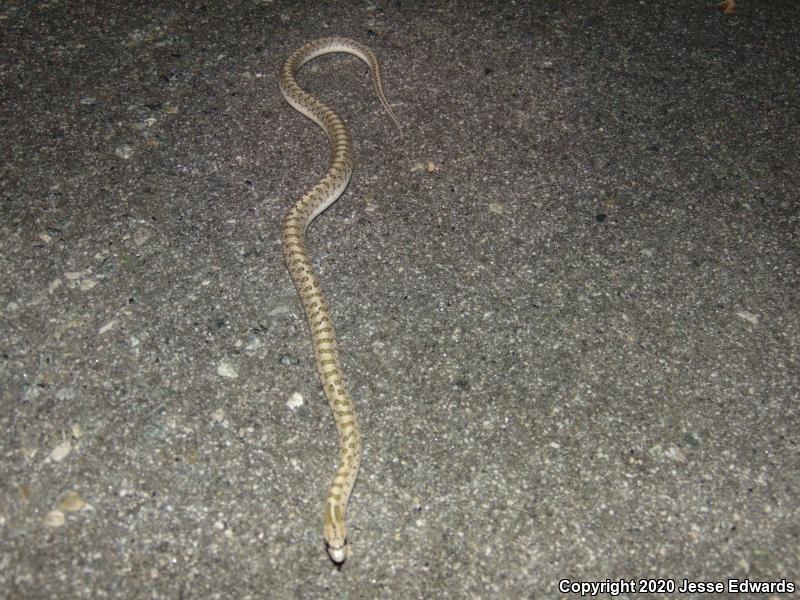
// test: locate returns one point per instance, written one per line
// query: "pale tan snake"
(298, 262)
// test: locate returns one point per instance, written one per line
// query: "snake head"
(334, 532)
(337, 554)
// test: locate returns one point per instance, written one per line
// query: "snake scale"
(298, 263)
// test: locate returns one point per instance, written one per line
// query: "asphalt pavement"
(566, 299)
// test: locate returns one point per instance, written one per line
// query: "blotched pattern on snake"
(298, 262)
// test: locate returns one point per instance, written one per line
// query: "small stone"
(748, 316)
(108, 326)
(287, 360)
(55, 518)
(280, 309)
(141, 235)
(496, 208)
(74, 275)
(71, 502)
(253, 344)
(60, 452)
(295, 401)
(226, 369)
(64, 394)
(124, 151)
(676, 454)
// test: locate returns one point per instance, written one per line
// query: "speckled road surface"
(567, 300)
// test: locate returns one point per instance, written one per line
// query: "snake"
(298, 262)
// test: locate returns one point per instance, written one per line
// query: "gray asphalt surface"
(566, 298)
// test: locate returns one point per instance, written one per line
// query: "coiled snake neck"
(298, 263)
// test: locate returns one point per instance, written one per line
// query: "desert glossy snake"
(298, 262)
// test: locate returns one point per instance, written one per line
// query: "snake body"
(298, 263)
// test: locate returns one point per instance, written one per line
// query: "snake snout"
(338, 555)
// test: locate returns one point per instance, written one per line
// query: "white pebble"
(295, 401)
(108, 326)
(748, 316)
(124, 151)
(226, 369)
(60, 452)
(55, 518)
